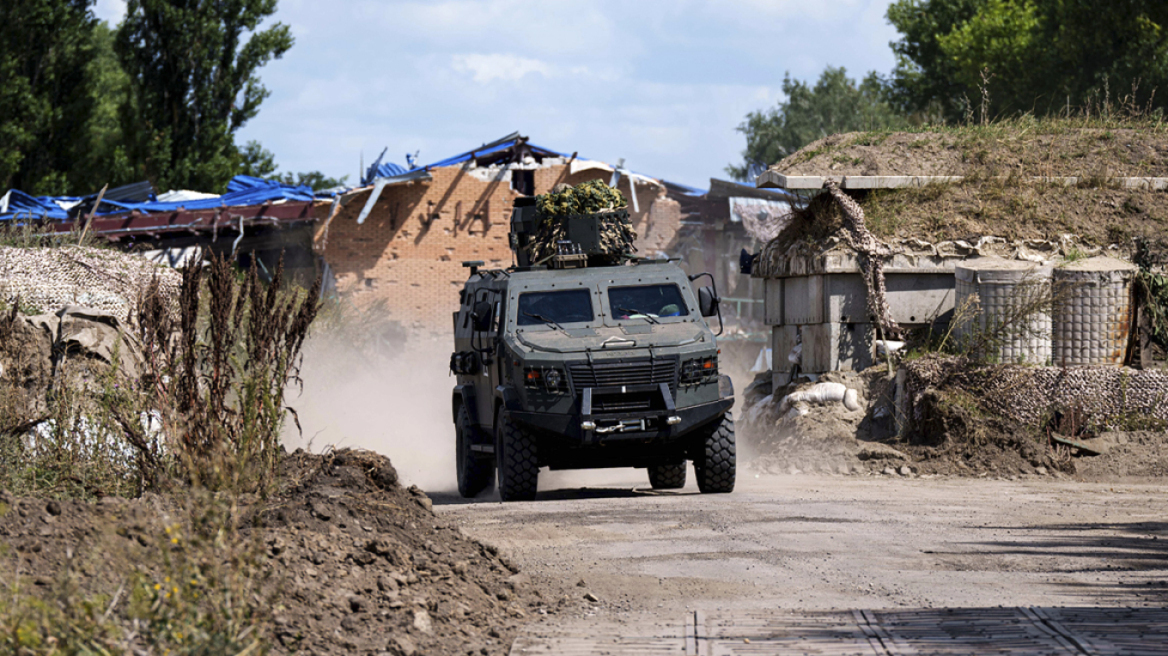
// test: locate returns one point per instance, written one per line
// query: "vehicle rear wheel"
(518, 462)
(715, 464)
(475, 471)
(667, 477)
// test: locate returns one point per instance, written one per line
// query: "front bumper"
(566, 430)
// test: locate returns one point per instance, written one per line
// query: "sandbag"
(820, 394)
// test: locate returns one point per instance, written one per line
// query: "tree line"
(159, 97)
(963, 60)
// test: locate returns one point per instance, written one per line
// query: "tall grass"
(190, 405)
(204, 403)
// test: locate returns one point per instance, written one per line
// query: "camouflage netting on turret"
(585, 200)
(1106, 397)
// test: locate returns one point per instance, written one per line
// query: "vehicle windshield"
(651, 301)
(569, 306)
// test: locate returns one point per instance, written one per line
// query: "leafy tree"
(103, 159)
(261, 163)
(45, 46)
(924, 79)
(835, 104)
(315, 179)
(257, 161)
(195, 84)
(1038, 55)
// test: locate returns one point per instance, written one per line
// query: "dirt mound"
(353, 562)
(998, 196)
(1031, 148)
(952, 434)
(788, 438)
(1125, 454)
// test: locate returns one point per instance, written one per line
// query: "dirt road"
(804, 543)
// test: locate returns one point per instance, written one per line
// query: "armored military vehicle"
(581, 356)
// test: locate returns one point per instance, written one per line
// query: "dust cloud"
(395, 402)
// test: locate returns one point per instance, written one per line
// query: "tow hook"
(626, 425)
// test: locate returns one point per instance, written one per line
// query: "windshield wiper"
(545, 320)
(646, 315)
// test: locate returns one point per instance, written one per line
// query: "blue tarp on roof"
(241, 191)
(246, 190)
(493, 147)
(21, 204)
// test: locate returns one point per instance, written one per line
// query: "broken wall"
(408, 254)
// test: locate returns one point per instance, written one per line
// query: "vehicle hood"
(612, 338)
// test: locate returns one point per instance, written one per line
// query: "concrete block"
(853, 345)
(918, 298)
(1154, 184)
(837, 347)
(846, 298)
(803, 300)
(774, 179)
(818, 348)
(783, 339)
(773, 301)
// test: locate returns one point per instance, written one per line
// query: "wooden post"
(89, 219)
(1146, 346)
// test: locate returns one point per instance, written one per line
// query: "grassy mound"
(998, 195)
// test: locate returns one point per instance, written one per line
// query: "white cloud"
(505, 67)
(111, 11)
(662, 83)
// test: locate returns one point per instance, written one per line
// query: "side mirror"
(482, 316)
(708, 302)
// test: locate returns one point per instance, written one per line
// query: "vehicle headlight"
(545, 378)
(552, 379)
(699, 370)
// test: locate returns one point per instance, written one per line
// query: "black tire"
(667, 477)
(476, 472)
(715, 463)
(517, 459)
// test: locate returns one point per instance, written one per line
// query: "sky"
(660, 83)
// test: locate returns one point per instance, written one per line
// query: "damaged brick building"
(400, 242)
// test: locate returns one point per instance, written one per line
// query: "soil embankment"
(353, 562)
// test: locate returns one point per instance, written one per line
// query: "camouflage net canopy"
(1107, 397)
(592, 200)
(45, 280)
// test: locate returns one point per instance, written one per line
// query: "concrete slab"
(773, 179)
(803, 300)
(773, 302)
(896, 181)
(783, 339)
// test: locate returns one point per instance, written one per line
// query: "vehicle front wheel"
(667, 477)
(518, 462)
(715, 463)
(475, 471)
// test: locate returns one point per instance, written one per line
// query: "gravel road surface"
(810, 545)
